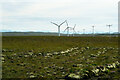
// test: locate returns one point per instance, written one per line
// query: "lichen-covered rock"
(117, 63)
(32, 76)
(4, 50)
(73, 76)
(26, 56)
(30, 53)
(105, 70)
(92, 55)
(110, 66)
(114, 65)
(95, 71)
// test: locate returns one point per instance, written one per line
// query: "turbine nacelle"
(109, 27)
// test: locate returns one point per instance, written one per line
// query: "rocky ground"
(88, 62)
(74, 63)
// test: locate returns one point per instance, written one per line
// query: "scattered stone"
(95, 71)
(99, 70)
(92, 55)
(72, 76)
(32, 76)
(104, 70)
(109, 66)
(117, 63)
(39, 53)
(62, 52)
(6, 50)
(26, 56)
(30, 53)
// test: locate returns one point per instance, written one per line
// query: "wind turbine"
(109, 27)
(58, 26)
(68, 29)
(93, 29)
(83, 31)
(74, 29)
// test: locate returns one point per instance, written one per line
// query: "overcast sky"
(36, 15)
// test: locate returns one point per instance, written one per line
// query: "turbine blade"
(55, 24)
(62, 23)
(65, 29)
(67, 23)
(74, 26)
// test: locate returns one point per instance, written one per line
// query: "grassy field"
(50, 57)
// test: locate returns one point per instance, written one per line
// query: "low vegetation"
(51, 58)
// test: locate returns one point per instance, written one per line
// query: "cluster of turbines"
(73, 28)
(67, 29)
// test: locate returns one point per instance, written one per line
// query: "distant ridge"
(52, 34)
(28, 34)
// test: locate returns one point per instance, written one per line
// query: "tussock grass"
(16, 65)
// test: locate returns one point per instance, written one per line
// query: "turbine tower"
(109, 27)
(83, 31)
(58, 26)
(93, 29)
(68, 29)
